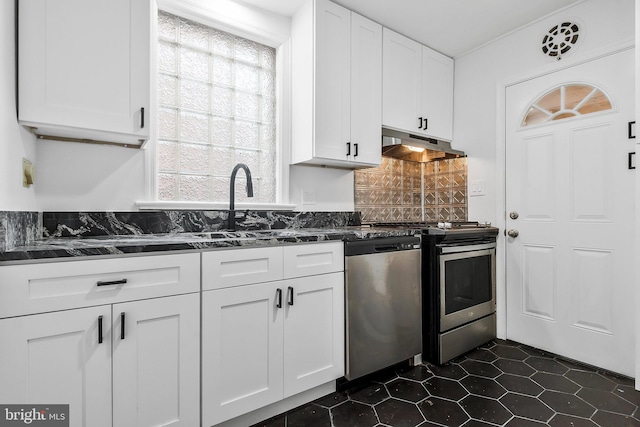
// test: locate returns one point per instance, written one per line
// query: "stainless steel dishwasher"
(383, 303)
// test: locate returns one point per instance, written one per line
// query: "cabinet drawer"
(308, 260)
(225, 268)
(37, 288)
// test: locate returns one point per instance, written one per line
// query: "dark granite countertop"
(68, 247)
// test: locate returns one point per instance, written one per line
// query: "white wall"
(479, 73)
(332, 188)
(73, 176)
(77, 177)
(15, 141)
(480, 79)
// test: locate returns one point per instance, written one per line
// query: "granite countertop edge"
(67, 248)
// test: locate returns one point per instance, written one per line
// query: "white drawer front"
(317, 258)
(222, 269)
(37, 288)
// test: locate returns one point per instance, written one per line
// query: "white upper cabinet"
(417, 88)
(437, 94)
(336, 80)
(84, 69)
(366, 86)
(401, 81)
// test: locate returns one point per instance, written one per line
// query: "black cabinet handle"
(112, 282)
(122, 325)
(631, 163)
(290, 293)
(279, 298)
(99, 329)
(426, 124)
(348, 148)
(141, 117)
(631, 126)
(355, 147)
(420, 127)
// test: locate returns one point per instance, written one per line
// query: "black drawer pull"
(631, 130)
(112, 282)
(122, 325)
(99, 329)
(279, 298)
(142, 118)
(290, 293)
(631, 162)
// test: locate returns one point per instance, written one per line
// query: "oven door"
(467, 283)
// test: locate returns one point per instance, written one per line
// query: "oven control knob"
(513, 233)
(514, 215)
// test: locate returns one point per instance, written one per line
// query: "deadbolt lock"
(513, 215)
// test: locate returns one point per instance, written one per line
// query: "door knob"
(513, 233)
(514, 215)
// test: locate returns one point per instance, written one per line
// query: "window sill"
(181, 205)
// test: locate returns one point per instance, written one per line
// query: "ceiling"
(452, 27)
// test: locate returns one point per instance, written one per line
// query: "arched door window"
(565, 102)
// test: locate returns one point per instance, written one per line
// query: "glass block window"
(566, 102)
(217, 107)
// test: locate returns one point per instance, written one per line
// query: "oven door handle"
(465, 248)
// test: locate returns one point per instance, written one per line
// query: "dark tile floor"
(500, 384)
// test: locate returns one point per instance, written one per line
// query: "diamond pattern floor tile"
(500, 384)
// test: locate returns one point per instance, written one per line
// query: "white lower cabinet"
(67, 357)
(56, 358)
(241, 351)
(116, 362)
(156, 358)
(313, 331)
(265, 342)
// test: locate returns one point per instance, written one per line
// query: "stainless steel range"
(458, 287)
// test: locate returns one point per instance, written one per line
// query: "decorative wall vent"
(560, 39)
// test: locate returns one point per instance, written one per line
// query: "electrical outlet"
(477, 187)
(308, 197)
(28, 173)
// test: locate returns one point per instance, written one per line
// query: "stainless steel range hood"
(416, 148)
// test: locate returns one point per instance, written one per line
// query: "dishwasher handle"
(386, 248)
(381, 245)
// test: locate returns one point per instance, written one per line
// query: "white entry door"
(570, 199)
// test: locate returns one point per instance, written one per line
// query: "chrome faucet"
(231, 222)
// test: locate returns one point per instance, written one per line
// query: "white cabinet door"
(56, 358)
(313, 259)
(417, 88)
(332, 80)
(366, 90)
(241, 350)
(156, 360)
(313, 331)
(437, 94)
(38, 288)
(245, 266)
(84, 68)
(337, 76)
(401, 82)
